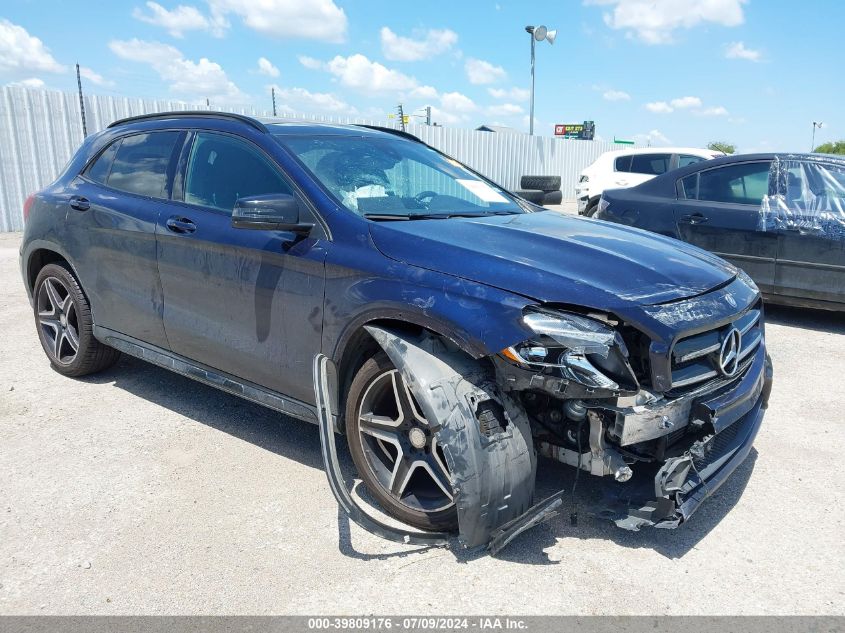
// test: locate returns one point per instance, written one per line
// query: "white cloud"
(616, 95)
(423, 92)
(310, 62)
(655, 21)
(654, 137)
(22, 52)
(505, 109)
(442, 117)
(316, 19)
(265, 67)
(714, 111)
(426, 45)
(32, 82)
(182, 18)
(685, 102)
(94, 77)
(202, 79)
(659, 107)
(457, 102)
(481, 72)
(357, 71)
(513, 94)
(300, 99)
(737, 50)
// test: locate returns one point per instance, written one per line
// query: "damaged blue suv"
(357, 278)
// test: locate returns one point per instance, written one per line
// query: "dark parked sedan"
(781, 217)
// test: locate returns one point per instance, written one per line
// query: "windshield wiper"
(434, 216)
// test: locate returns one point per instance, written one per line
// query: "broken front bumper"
(684, 481)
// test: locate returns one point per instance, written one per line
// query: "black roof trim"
(390, 130)
(193, 114)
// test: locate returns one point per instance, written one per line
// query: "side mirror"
(271, 212)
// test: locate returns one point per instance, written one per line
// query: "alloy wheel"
(58, 320)
(400, 446)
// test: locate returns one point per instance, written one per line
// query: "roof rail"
(390, 130)
(192, 114)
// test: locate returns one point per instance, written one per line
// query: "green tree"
(837, 147)
(722, 146)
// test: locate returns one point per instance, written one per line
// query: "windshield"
(387, 178)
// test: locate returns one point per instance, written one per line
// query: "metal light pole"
(816, 124)
(538, 34)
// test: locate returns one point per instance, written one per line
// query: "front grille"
(695, 359)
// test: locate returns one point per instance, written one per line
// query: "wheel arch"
(38, 257)
(357, 345)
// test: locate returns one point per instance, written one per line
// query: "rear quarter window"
(98, 171)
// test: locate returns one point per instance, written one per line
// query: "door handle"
(180, 225)
(79, 203)
(694, 218)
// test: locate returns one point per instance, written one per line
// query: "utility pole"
(816, 124)
(273, 92)
(81, 102)
(401, 112)
(428, 115)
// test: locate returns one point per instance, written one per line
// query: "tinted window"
(98, 171)
(222, 169)
(623, 163)
(688, 187)
(140, 164)
(652, 164)
(738, 184)
(687, 159)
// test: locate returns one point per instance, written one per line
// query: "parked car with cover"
(780, 217)
(632, 167)
(359, 279)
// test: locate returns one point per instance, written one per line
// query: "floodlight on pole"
(816, 124)
(538, 34)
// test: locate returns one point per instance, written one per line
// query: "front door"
(809, 219)
(719, 210)
(247, 302)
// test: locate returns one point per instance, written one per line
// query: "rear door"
(635, 169)
(111, 223)
(719, 209)
(810, 223)
(243, 301)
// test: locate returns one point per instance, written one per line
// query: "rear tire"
(64, 324)
(384, 427)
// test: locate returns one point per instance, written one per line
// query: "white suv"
(628, 168)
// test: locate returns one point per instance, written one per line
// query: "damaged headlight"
(584, 350)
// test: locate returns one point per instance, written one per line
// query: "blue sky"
(685, 72)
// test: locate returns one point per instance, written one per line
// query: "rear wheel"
(65, 327)
(396, 451)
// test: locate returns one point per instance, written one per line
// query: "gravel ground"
(141, 492)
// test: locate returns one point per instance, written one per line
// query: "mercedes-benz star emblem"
(729, 353)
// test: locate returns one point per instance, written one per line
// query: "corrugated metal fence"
(41, 129)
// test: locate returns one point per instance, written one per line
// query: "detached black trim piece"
(192, 114)
(322, 368)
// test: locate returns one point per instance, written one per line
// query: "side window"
(222, 169)
(98, 171)
(140, 163)
(652, 164)
(688, 187)
(688, 159)
(746, 183)
(623, 163)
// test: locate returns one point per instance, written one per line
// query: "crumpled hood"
(551, 257)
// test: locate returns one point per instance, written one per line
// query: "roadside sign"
(584, 131)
